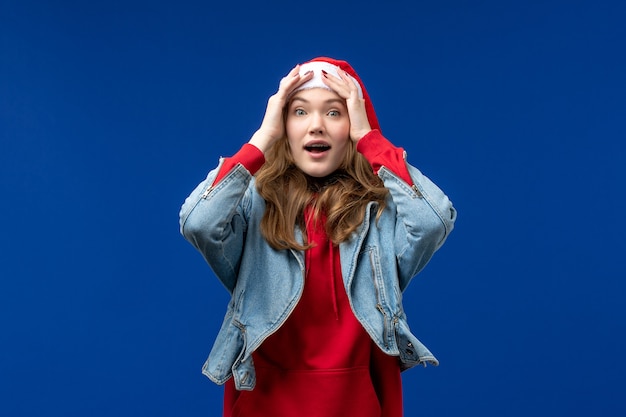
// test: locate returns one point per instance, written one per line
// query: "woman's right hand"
(273, 125)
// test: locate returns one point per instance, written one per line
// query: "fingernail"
(324, 73)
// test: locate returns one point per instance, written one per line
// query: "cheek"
(342, 133)
(342, 148)
(342, 130)
(292, 129)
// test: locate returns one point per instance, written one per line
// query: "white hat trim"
(317, 81)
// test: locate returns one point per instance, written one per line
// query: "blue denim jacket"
(377, 263)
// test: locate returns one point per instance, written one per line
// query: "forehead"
(316, 96)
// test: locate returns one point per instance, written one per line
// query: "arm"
(249, 156)
(424, 215)
(214, 218)
(380, 152)
(424, 219)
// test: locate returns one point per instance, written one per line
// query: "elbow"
(188, 226)
(199, 231)
(447, 223)
(442, 223)
(191, 232)
(437, 233)
(432, 232)
(451, 218)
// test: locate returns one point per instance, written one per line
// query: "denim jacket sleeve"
(424, 219)
(214, 220)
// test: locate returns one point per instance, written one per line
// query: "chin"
(318, 173)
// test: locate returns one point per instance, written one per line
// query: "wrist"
(357, 136)
(261, 140)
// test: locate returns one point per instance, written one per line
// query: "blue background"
(111, 112)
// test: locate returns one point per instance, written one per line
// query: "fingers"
(272, 126)
(344, 86)
(293, 80)
(290, 78)
(287, 85)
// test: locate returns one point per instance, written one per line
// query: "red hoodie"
(321, 362)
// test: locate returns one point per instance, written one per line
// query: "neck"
(317, 184)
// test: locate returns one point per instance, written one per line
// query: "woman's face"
(318, 130)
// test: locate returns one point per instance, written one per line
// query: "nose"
(316, 125)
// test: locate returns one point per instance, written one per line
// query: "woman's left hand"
(346, 88)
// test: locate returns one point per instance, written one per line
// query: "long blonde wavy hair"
(342, 198)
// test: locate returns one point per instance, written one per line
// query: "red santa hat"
(331, 66)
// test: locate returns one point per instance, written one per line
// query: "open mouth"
(317, 147)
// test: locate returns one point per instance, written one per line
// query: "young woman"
(315, 227)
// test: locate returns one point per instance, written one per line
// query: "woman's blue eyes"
(300, 112)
